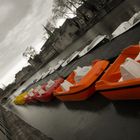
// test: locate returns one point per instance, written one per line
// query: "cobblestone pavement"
(15, 128)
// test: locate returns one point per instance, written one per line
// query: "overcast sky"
(20, 26)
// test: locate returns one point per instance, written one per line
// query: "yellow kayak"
(20, 99)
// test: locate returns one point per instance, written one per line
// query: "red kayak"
(48, 94)
(29, 98)
(42, 93)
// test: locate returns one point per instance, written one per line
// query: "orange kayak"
(86, 87)
(109, 86)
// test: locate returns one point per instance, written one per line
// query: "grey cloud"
(19, 10)
(24, 32)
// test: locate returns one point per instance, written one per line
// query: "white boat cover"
(125, 26)
(130, 69)
(66, 85)
(81, 72)
(93, 44)
(49, 84)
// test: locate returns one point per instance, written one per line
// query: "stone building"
(60, 39)
(67, 33)
(35, 62)
(50, 40)
(23, 75)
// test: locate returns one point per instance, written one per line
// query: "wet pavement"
(96, 118)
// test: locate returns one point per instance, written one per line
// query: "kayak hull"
(29, 100)
(44, 98)
(123, 94)
(79, 96)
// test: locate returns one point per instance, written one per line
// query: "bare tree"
(63, 8)
(66, 8)
(59, 12)
(29, 52)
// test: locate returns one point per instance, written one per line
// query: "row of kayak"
(100, 76)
